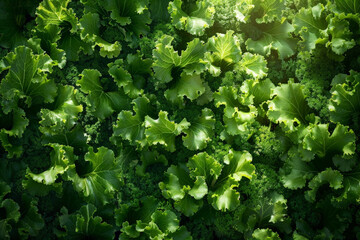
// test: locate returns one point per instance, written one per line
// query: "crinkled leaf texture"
(239, 113)
(61, 116)
(55, 12)
(194, 22)
(320, 142)
(289, 105)
(90, 33)
(62, 159)
(102, 179)
(189, 86)
(223, 52)
(163, 131)
(133, 15)
(26, 78)
(344, 104)
(83, 224)
(149, 221)
(200, 131)
(102, 103)
(275, 36)
(131, 127)
(166, 58)
(204, 175)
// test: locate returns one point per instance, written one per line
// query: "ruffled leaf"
(223, 52)
(166, 58)
(200, 131)
(319, 141)
(102, 103)
(103, 178)
(289, 105)
(194, 21)
(162, 131)
(275, 36)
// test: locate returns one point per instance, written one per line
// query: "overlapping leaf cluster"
(183, 119)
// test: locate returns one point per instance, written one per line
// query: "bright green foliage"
(223, 52)
(55, 12)
(131, 75)
(269, 10)
(62, 159)
(130, 126)
(238, 114)
(207, 177)
(162, 131)
(254, 65)
(190, 86)
(260, 234)
(345, 100)
(148, 222)
(26, 79)
(311, 24)
(167, 59)
(320, 142)
(179, 119)
(200, 132)
(260, 91)
(194, 20)
(90, 33)
(276, 36)
(289, 105)
(62, 115)
(102, 103)
(83, 224)
(102, 179)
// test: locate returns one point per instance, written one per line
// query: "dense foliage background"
(184, 119)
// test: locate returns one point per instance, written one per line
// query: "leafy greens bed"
(183, 119)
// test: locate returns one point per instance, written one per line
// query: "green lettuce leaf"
(195, 20)
(259, 90)
(238, 113)
(289, 105)
(131, 74)
(26, 79)
(348, 6)
(223, 52)
(61, 116)
(311, 24)
(333, 177)
(162, 131)
(167, 59)
(83, 224)
(274, 36)
(254, 65)
(55, 12)
(320, 142)
(131, 127)
(102, 103)
(62, 159)
(134, 15)
(200, 132)
(268, 234)
(344, 104)
(188, 186)
(101, 180)
(269, 10)
(190, 86)
(90, 33)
